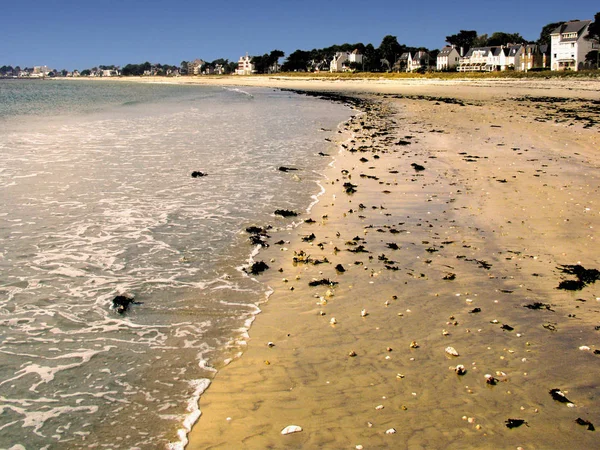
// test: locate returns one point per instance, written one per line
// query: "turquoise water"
(97, 200)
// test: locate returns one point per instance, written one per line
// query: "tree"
(231, 67)
(544, 38)
(372, 59)
(183, 67)
(297, 61)
(594, 34)
(500, 38)
(390, 49)
(274, 59)
(480, 41)
(464, 39)
(594, 29)
(592, 57)
(260, 63)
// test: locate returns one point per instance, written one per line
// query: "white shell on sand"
(333, 321)
(391, 431)
(451, 351)
(291, 429)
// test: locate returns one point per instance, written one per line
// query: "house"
(532, 57)
(475, 60)
(497, 59)
(513, 59)
(569, 46)
(342, 61)
(245, 66)
(401, 64)
(110, 73)
(195, 67)
(39, 72)
(545, 50)
(447, 58)
(419, 61)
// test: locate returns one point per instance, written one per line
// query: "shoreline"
(311, 381)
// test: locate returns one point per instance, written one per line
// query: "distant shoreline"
(484, 88)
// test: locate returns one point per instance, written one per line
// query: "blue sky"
(79, 34)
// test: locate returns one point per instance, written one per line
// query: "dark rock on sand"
(538, 305)
(322, 282)
(586, 423)
(257, 268)
(286, 169)
(515, 423)
(285, 213)
(311, 237)
(359, 249)
(559, 396)
(584, 277)
(197, 174)
(258, 235)
(417, 167)
(340, 268)
(350, 188)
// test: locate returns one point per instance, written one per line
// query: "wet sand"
(452, 218)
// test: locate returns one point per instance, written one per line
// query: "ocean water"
(97, 200)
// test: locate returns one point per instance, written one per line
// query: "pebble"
(489, 379)
(291, 429)
(364, 313)
(451, 351)
(390, 431)
(333, 321)
(414, 344)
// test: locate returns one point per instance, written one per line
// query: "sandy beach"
(458, 228)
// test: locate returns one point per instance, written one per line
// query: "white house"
(195, 67)
(513, 59)
(447, 58)
(110, 73)
(476, 60)
(420, 60)
(342, 60)
(497, 58)
(245, 66)
(569, 46)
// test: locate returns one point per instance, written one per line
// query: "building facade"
(245, 66)
(447, 59)
(569, 46)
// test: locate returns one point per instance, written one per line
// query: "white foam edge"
(194, 413)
